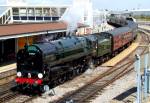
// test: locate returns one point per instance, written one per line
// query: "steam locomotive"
(47, 64)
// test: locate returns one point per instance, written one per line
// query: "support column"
(35, 14)
(58, 10)
(2, 47)
(138, 77)
(11, 15)
(16, 45)
(51, 14)
(2, 51)
(145, 75)
(43, 15)
(27, 14)
(27, 40)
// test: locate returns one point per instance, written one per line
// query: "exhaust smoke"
(79, 12)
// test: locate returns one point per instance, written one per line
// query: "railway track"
(8, 95)
(15, 97)
(93, 88)
(21, 98)
(7, 77)
(85, 93)
(6, 87)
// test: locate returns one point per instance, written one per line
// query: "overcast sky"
(100, 4)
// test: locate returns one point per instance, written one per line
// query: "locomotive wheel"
(103, 60)
(81, 68)
(77, 71)
(113, 54)
(70, 75)
(41, 88)
(107, 58)
(19, 88)
(98, 62)
(62, 79)
(56, 83)
(91, 64)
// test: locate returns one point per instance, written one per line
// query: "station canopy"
(29, 29)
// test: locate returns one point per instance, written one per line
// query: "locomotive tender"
(47, 64)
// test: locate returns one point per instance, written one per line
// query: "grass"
(142, 18)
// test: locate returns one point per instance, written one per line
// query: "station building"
(21, 14)
(26, 24)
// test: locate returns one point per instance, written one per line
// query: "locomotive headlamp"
(19, 74)
(40, 75)
(29, 75)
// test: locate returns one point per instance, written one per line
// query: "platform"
(112, 62)
(7, 68)
(144, 27)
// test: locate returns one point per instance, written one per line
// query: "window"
(62, 10)
(55, 18)
(15, 11)
(47, 18)
(54, 12)
(46, 12)
(23, 17)
(16, 18)
(23, 12)
(30, 12)
(38, 11)
(31, 18)
(39, 18)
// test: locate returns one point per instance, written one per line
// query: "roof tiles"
(15, 29)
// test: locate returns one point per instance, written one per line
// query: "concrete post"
(138, 77)
(145, 76)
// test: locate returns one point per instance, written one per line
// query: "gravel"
(71, 85)
(116, 88)
(110, 92)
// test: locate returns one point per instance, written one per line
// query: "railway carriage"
(121, 37)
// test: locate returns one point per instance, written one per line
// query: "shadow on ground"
(126, 94)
